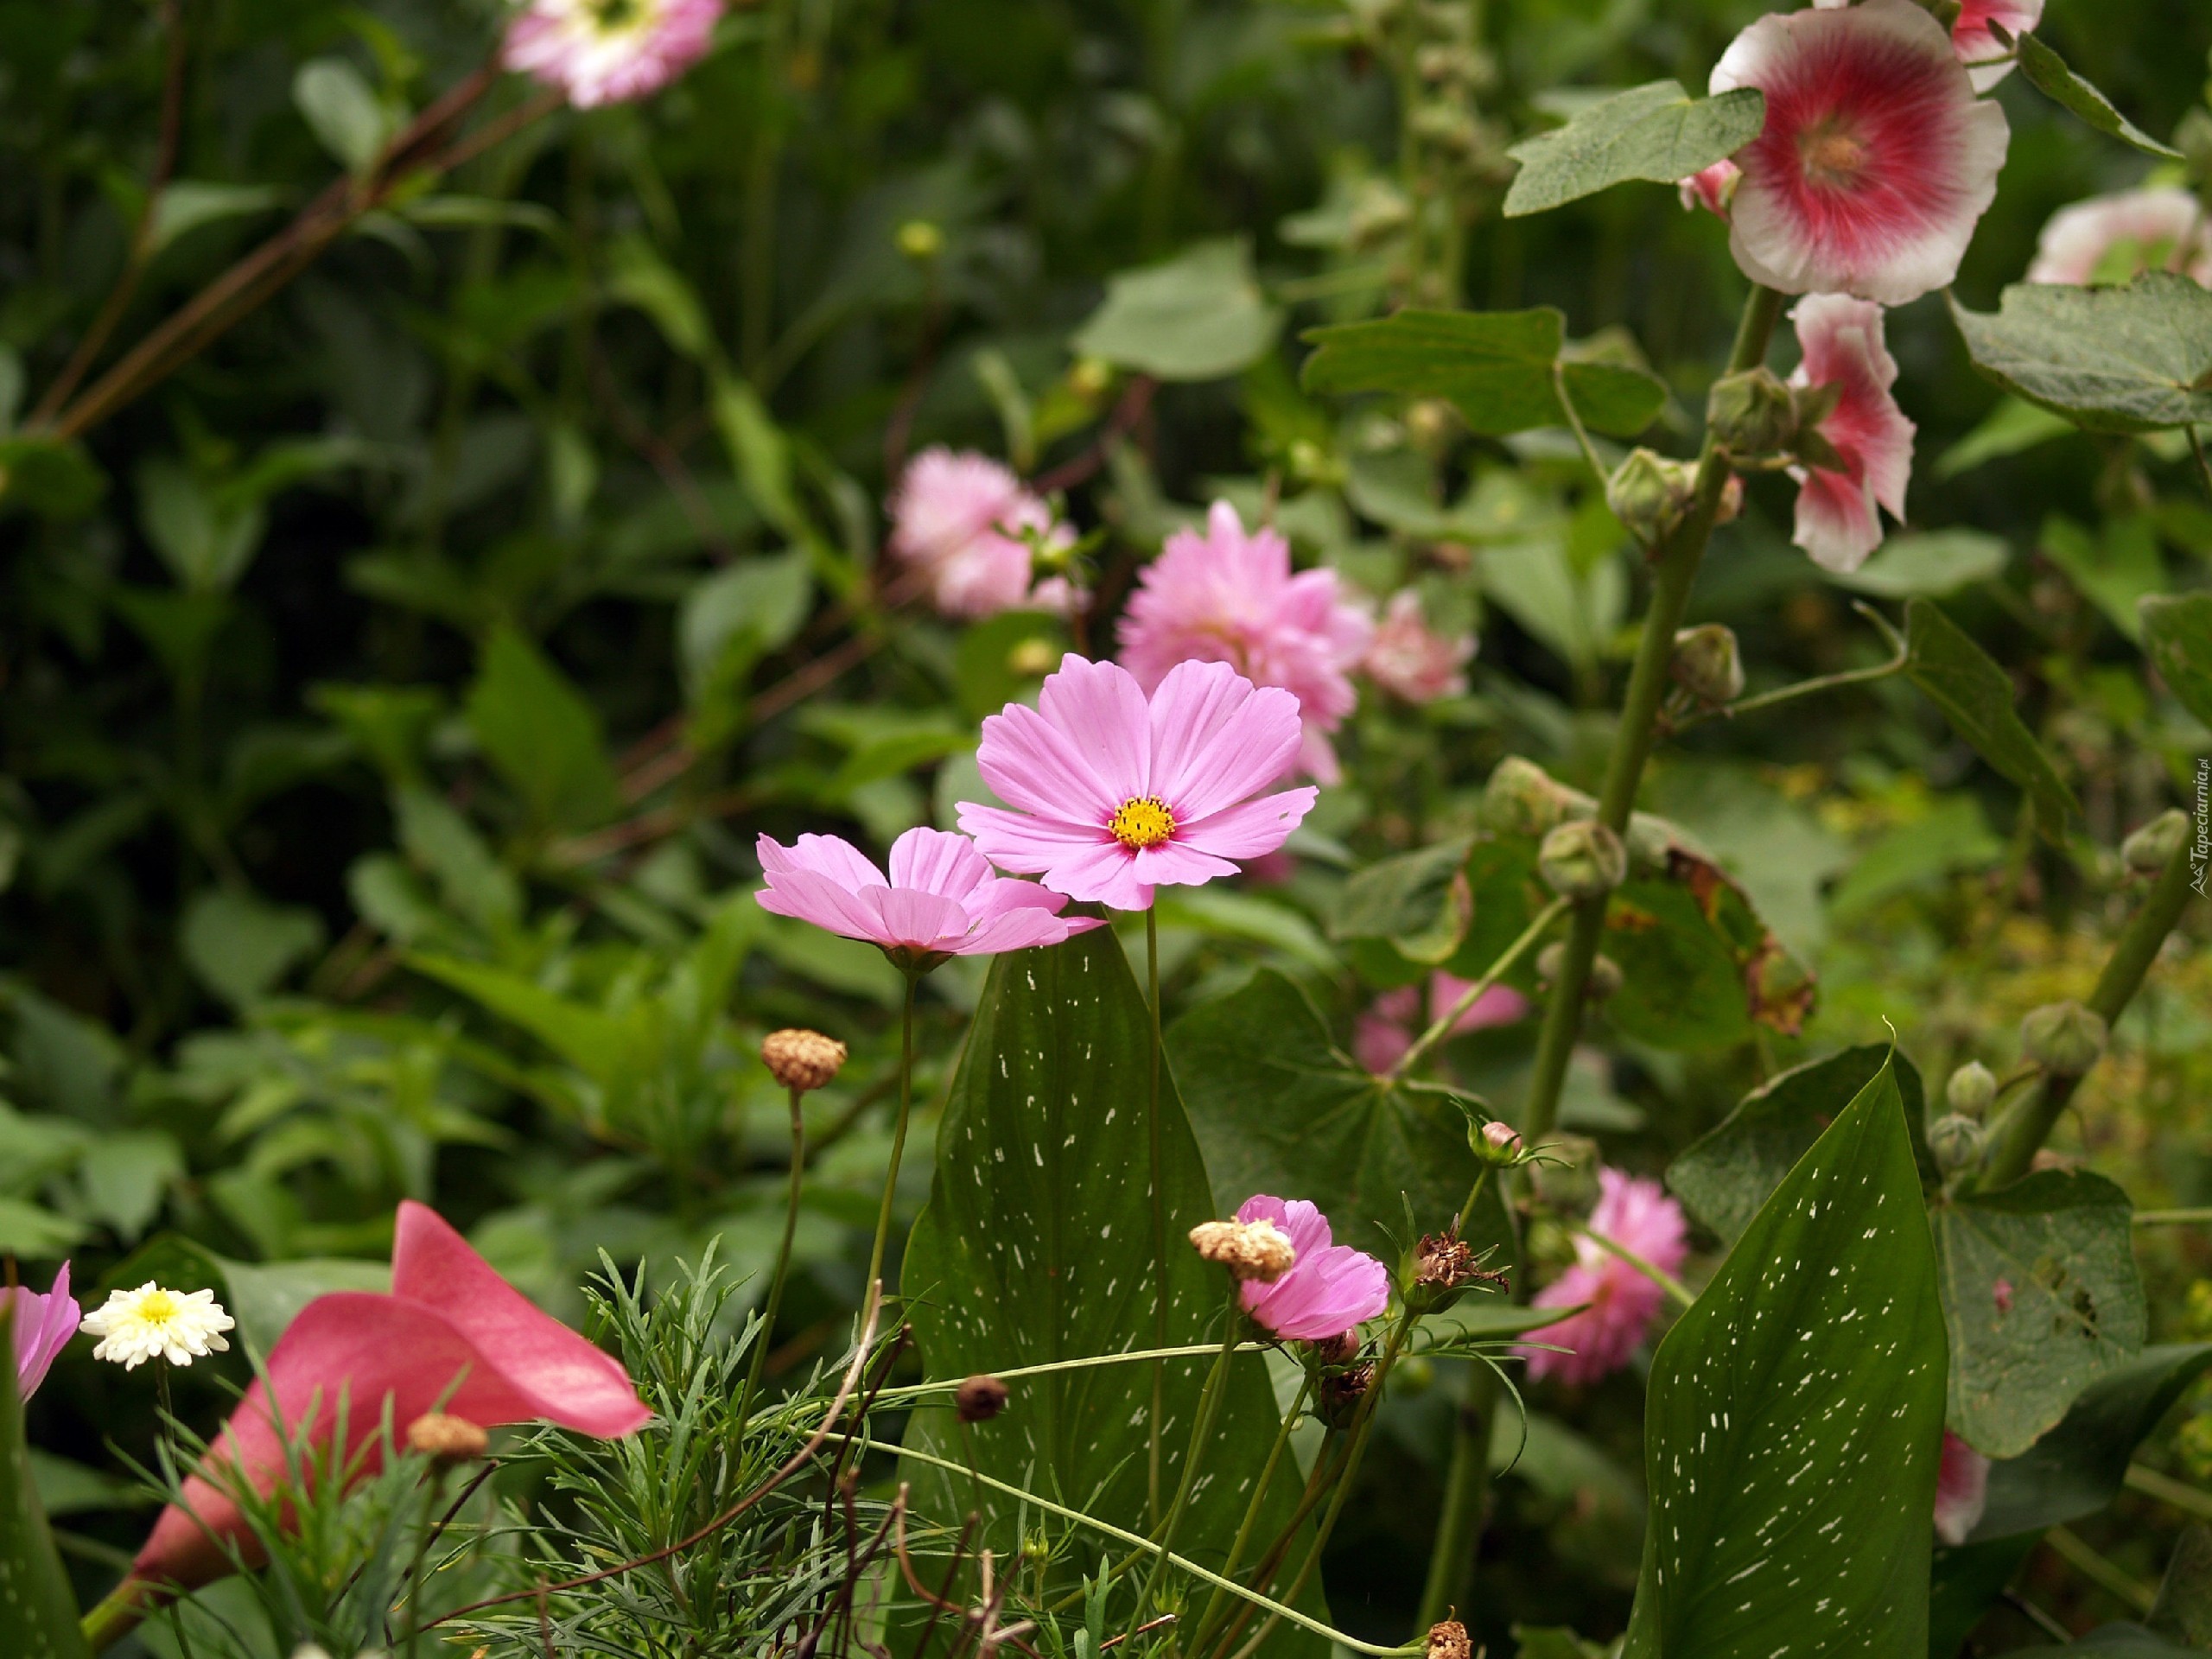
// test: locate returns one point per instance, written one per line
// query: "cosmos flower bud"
(2151, 848)
(1649, 494)
(1751, 413)
(1251, 1250)
(1448, 1640)
(1582, 859)
(1495, 1143)
(1957, 1142)
(1972, 1089)
(445, 1438)
(980, 1399)
(2064, 1038)
(1706, 663)
(802, 1059)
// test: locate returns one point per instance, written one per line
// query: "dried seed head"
(447, 1438)
(1250, 1251)
(1448, 1640)
(1336, 1392)
(1446, 1261)
(980, 1399)
(1339, 1349)
(802, 1059)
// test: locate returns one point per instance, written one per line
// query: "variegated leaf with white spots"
(1794, 1417)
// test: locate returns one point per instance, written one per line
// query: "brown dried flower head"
(1446, 1261)
(447, 1438)
(980, 1399)
(802, 1059)
(1249, 1250)
(1339, 1349)
(1337, 1390)
(1448, 1640)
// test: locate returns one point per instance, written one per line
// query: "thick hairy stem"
(2024, 1129)
(1675, 565)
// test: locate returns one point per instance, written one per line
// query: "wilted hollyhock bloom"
(42, 1326)
(1328, 1288)
(1383, 1034)
(1961, 1489)
(1231, 596)
(1622, 1302)
(959, 518)
(1408, 660)
(1838, 522)
(609, 51)
(1876, 160)
(2115, 239)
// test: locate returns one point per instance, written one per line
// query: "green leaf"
(2112, 359)
(734, 618)
(1932, 563)
(1724, 1178)
(1198, 316)
(1794, 1419)
(2041, 1297)
(2115, 571)
(595, 1043)
(2008, 430)
(1277, 1109)
(2183, 1610)
(186, 204)
(51, 478)
(126, 1173)
(2178, 638)
(2049, 74)
(266, 1300)
(540, 734)
(1419, 901)
(205, 540)
(341, 111)
(1657, 132)
(39, 1611)
(40, 1235)
(1680, 987)
(1494, 367)
(240, 944)
(1976, 696)
(1036, 1246)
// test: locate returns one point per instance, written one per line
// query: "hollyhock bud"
(1521, 798)
(980, 1399)
(2064, 1038)
(1582, 859)
(1957, 1142)
(1706, 664)
(1651, 843)
(1254, 1252)
(1972, 1089)
(2151, 848)
(447, 1439)
(802, 1059)
(1649, 494)
(1751, 413)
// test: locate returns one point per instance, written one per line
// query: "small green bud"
(1521, 798)
(1706, 663)
(1751, 413)
(1957, 1142)
(2151, 848)
(1495, 1143)
(920, 240)
(2064, 1038)
(1972, 1089)
(1582, 859)
(1604, 979)
(1650, 493)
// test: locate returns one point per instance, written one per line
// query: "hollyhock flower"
(958, 518)
(1712, 188)
(1329, 1289)
(1876, 160)
(1229, 596)
(941, 899)
(1837, 520)
(609, 51)
(1114, 796)
(1404, 658)
(1961, 1489)
(2115, 238)
(43, 1326)
(450, 1320)
(1621, 1301)
(1381, 1036)
(150, 1322)
(1988, 60)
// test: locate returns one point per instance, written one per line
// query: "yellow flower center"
(1144, 822)
(1833, 155)
(157, 1308)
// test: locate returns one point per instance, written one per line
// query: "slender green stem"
(1658, 1275)
(1135, 1356)
(898, 1135)
(1676, 560)
(1574, 420)
(754, 1371)
(2151, 1484)
(2028, 1124)
(1900, 653)
(1442, 1029)
(2099, 1571)
(1201, 1432)
(1251, 1521)
(434, 1487)
(1467, 1210)
(1152, 1138)
(1466, 1492)
(2173, 1218)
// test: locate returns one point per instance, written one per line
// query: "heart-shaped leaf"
(2113, 360)
(1198, 316)
(1976, 696)
(1657, 132)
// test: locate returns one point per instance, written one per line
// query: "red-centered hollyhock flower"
(42, 1326)
(1961, 1489)
(1229, 596)
(2117, 238)
(449, 1319)
(1876, 160)
(1988, 60)
(959, 518)
(609, 51)
(1409, 660)
(1622, 1302)
(1327, 1290)
(1837, 520)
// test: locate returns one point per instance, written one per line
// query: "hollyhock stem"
(1442, 1027)
(2020, 1133)
(1159, 1217)
(1675, 561)
(783, 1262)
(1201, 1430)
(898, 1135)
(1246, 1527)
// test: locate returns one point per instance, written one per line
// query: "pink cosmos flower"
(609, 51)
(1712, 188)
(450, 1319)
(1622, 1302)
(1381, 1036)
(1961, 1489)
(941, 898)
(1229, 596)
(1327, 1290)
(1405, 658)
(1114, 796)
(958, 519)
(1876, 160)
(2115, 238)
(1837, 518)
(43, 1326)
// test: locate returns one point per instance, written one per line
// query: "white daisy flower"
(149, 1322)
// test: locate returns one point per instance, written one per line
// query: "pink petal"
(810, 897)
(921, 920)
(42, 1327)
(1022, 930)
(1215, 738)
(1014, 841)
(935, 861)
(1836, 520)
(831, 856)
(1252, 829)
(1102, 874)
(995, 896)
(1101, 710)
(1031, 764)
(1174, 864)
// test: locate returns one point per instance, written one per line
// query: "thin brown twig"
(1135, 404)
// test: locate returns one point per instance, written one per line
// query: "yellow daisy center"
(1142, 823)
(156, 1308)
